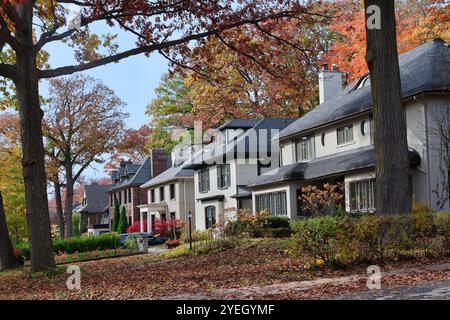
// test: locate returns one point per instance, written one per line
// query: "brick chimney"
(160, 162)
(330, 82)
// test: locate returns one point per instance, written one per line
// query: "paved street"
(433, 290)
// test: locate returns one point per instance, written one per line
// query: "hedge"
(342, 240)
(79, 244)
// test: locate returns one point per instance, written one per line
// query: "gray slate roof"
(170, 174)
(242, 193)
(227, 151)
(361, 158)
(142, 175)
(423, 69)
(97, 199)
(238, 124)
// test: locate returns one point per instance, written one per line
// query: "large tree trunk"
(391, 149)
(27, 87)
(69, 200)
(59, 209)
(7, 258)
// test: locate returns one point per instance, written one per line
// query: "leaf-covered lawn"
(257, 262)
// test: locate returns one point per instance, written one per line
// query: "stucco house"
(170, 195)
(129, 177)
(334, 142)
(241, 150)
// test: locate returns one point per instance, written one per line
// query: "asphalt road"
(433, 290)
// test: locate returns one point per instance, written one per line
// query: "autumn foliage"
(417, 22)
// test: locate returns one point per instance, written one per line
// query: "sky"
(133, 80)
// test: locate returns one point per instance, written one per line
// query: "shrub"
(136, 227)
(18, 254)
(215, 246)
(25, 249)
(116, 216)
(131, 243)
(172, 243)
(275, 222)
(123, 223)
(76, 224)
(166, 228)
(341, 240)
(277, 232)
(85, 243)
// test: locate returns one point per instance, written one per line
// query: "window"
(172, 191)
(129, 196)
(172, 216)
(304, 149)
(163, 217)
(223, 176)
(345, 134)
(203, 180)
(152, 196)
(274, 202)
(120, 197)
(323, 139)
(210, 217)
(125, 194)
(161, 194)
(362, 195)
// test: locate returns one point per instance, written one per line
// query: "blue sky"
(133, 80)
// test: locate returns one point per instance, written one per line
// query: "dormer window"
(304, 149)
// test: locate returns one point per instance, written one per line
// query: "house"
(129, 177)
(334, 142)
(170, 195)
(94, 209)
(242, 150)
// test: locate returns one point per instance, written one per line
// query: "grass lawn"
(253, 262)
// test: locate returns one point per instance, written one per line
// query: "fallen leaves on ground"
(153, 277)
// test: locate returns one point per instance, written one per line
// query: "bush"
(165, 228)
(78, 244)
(277, 232)
(123, 223)
(116, 216)
(341, 240)
(85, 243)
(215, 246)
(275, 222)
(25, 249)
(136, 227)
(76, 224)
(172, 243)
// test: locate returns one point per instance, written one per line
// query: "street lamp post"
(190, 229)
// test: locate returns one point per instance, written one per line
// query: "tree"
(169, 110)
(123, 223)
(393, 194)
(83, 121)
(418, 21)
(7, 257)
(228, 82)
(11, 177)
(27, 26)
(132, 146)
(116, 219)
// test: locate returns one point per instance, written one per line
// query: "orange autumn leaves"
(417, 22)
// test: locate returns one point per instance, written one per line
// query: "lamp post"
(190, 229)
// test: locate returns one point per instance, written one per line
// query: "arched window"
(210, 216)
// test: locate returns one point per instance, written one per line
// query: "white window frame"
(306, 144)
(344, 135)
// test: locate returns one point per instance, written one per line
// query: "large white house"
(170, 195)
(333, 143)
(242, 150)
